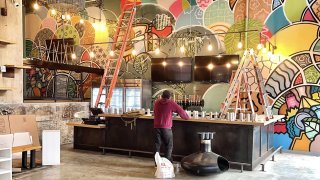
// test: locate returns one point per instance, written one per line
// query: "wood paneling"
(11, 52)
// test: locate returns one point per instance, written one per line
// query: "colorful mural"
(292, 78)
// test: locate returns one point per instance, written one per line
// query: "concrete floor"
(86, 165)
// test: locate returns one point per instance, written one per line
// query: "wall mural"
(292, 79)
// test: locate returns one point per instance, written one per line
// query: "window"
(133, 98)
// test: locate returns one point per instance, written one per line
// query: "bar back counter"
(249, 143)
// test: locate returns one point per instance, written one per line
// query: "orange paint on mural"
(301, 143)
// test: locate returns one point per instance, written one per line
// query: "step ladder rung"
(127, 12)
(123, 27)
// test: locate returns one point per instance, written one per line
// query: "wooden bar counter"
(249, 143)
(89, 137)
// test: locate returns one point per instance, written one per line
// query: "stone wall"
(50, 116)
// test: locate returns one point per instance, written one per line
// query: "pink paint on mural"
(49, 23)
(203, 4)
(308, 16)
(258, 10)
(315, 145)
(266, 34)
(291, 101)
(299, 80)
(176, 8)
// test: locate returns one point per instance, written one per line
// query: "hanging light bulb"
(91, 54)
(228, 65)
(36, 6)
(95, 25)
(180, 63)
(251, 52)
(53, 12)
(239, 45)
(68, 17)
(164, 63)
(264, 50)
(210, 66)
(273, 57)
(73, 56)
(81, 21)
(63, 17)
(260, 46)
(157, 51)
(111, 53)
(102, 27)
(210, 47)
(134, 52)
(182, 49)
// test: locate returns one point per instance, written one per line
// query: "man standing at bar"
(163, 109)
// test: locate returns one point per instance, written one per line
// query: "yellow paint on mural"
(308, 102)
(291, 113)
(301, 143)
(102, 35)
(75, 20)
(316, 96)
(185, 4)
(295, 38)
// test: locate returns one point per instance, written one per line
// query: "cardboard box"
(25, 123)
(4, 125)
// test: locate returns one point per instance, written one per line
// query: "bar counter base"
(245, 145)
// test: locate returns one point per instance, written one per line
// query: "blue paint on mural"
(277, 20)
(282, 140)
(193, 16)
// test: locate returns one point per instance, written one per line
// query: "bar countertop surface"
(80, 124)
(260, 122)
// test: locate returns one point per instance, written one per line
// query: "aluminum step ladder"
(239, 84)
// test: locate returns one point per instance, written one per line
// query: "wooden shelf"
(5, 42)
(10, 70)
(5, 89)
(59, 66)
(3, 159)
(18, 67)
(5, 171)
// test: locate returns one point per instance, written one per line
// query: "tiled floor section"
(86, 165)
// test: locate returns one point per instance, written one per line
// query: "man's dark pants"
(164, 136)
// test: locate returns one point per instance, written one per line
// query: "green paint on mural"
(312, 75)
(317, 47)
(312, 127)
(214, 96)
(293, 9)
(149, 1)
(231, 40)
(28, 47)
(218, 11)
(193, 2)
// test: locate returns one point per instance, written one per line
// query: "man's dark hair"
(166, 94)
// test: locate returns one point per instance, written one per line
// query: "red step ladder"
(120, 39)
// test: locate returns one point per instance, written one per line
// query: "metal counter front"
(241, 142)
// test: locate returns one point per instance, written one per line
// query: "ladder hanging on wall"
(119, 44)
(240, 84)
